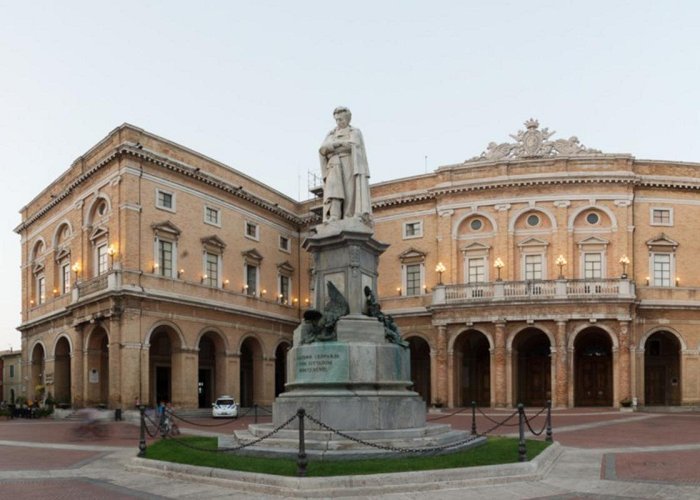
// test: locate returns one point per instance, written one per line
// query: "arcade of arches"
(590, 365)
(495, 365)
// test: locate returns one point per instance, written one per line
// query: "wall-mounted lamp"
(498, 264)
(678, 281)
(204, 278)
(31, 302)
(263, 292)
(225, 283)
(624, 260)
(76, 269)
(561, 262)
(155, 267)
(425, 289)
(398, 290)
(55, 291)
(295, 300)
(306, 301)
(244, 289)
(180, 273)
(647, 280)
(440, 268)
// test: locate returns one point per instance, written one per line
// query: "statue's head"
(342, 116)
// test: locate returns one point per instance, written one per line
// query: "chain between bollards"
(522, 450)
(302, 461)
(549, 421)
(473, 418)
(142, 433)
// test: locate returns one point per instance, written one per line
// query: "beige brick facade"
(185, 279)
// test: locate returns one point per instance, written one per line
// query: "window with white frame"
(284, 244)
(165, 251)
(413, 229)
(212, 216)
(251, 279)
(661, 269)
(661, 216)
(211, 269)
(40, 289)
(413, 279)
(65, 277)
(592, 266)
(412, 272)
(101, 258)
(252, 230)
(284, 287)
(533, 267)
(476, 269)
(165, 200)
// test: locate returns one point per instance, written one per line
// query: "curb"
(359, 485)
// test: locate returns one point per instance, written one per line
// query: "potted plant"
(626, 404)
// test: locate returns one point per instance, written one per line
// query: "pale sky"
(253, 85)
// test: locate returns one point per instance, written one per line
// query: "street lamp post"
(498, 264)
(624, 260)
(440, 268)
(561, 262)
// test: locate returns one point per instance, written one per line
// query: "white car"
(225, 406)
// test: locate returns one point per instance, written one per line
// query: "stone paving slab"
(17, 458)
(69, 489)
(677, 467)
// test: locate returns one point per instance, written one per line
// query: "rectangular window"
(662, 269)
(476, 270)
(102, 259)
(412, 230)
(251, 230)
(212, 216)
(211, 269)
(284, 243)
(12, 371)
(284, 289)
(592, 266)
(661, 217)
(40, 290)
(65, 277)
(533, 267)
(165, 258)
(413, 279)
(165, 200)
(251, 279)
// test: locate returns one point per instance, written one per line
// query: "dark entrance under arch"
(251, 372)
(420, 367)
(593, 377)
(98, 368)
(160, 364)
(662, 370)
(62, 377)
(473, 369)
(533, 374)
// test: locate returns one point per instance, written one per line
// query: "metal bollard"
(473, 418)
(522, 450)
(142, 433)
(255, 412)
(302, 461)
(549, 421)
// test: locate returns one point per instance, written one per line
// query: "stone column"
(499, 361)
(624, 365)
(561, 393)
(442, 395)
(77, 374)
(114, 389)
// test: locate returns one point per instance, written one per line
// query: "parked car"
(225, 406)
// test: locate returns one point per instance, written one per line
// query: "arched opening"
(281, 367)
(473, 369)
(37, 371)
(211, 376)
(662, 370)
(62, 376)
(532, 375)
(98, 368)
(420, 367)
(251, 391)
(593, 372)
(12, 396)
(160, 364)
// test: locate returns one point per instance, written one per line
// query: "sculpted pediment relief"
(62, 253)
(98, 232)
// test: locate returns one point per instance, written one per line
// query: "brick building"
(538, 270)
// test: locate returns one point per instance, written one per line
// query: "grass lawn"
(497, 450)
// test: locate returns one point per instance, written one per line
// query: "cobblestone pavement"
(607, 454)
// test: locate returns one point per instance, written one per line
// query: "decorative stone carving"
(533, 143)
